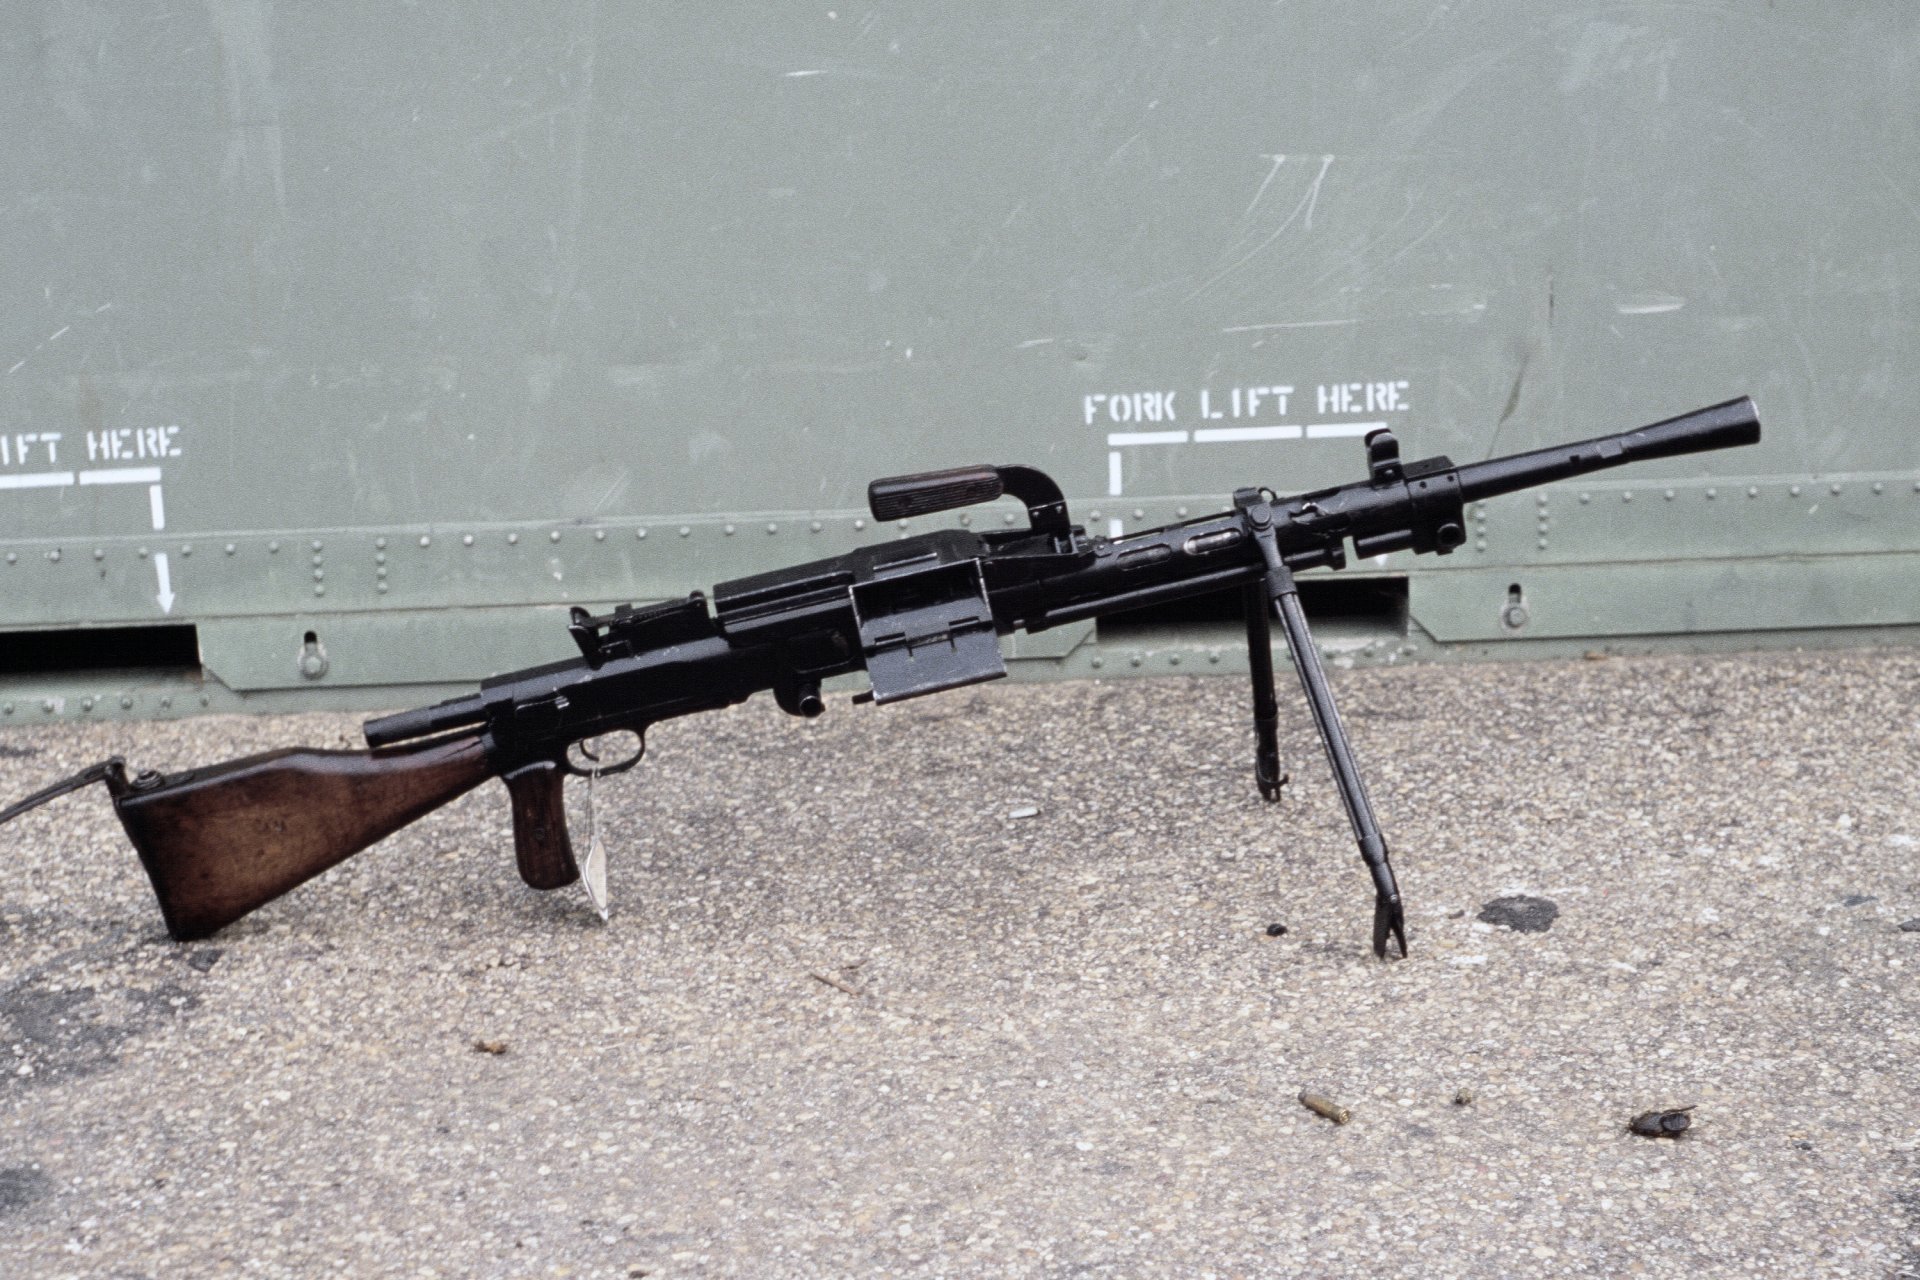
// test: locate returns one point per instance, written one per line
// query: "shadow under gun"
(918, 615)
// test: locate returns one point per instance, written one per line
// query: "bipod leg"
(1388, 918)
(1266, 708)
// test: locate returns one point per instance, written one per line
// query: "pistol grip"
(540, 843)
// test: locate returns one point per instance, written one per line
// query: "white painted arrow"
(166, 583)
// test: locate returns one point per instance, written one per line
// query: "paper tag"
(594, 874)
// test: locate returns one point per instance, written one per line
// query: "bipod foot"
(1388, 921)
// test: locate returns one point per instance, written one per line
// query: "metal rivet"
(1712, 494)
(272, 548)
(1627, 496)
(1173, 659)
(425, 540)
(1480, 544)
(773, 528)
(166, 701)
(6, 709)
(903, 524)
(319, 575)
(205, 700)
(319, 590)
(1097, 662)
(1138, 514)
(1753, 491)
(730, 530)
(554, 536)
(1878, 487)
(466, 539)
(1669, 495)
(513, 539)
(1834, 487)
(966, 518)
(815, 526)
(126, 703)
(861, 524)
(86, 704)
(1180, 511)
(640, 535)
(1136, 660)
(316, 545)
(230, 548)
(1541, 500)
(318, 561)
(98, 554)
(1093, 515)
(380, 572)
(599, 535)
(1007, 518)
(1794, 490)
(54, 555)
(1586, 497)
(47, 705)
(1214, 658)
(14, 559)
(380, 544)
(381, 587)
(1542, 544)
(685, 530)
(379, 557)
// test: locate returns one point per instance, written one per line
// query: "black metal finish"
(898, 497)
(1266, 707)
(923, 613)
(1280, 588)
(112, 771)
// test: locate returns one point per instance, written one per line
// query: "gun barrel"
(1722, 426)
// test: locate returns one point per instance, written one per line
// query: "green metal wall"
(383, 323)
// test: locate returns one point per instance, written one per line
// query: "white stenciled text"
(25, 448)
(124, 443)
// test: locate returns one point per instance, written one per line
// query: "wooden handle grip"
(540, 843)
(222, 841)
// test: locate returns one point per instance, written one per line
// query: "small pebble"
(1276, 930)
(1661, 1124)
(1910, 926)
(1463, 1097)
(495, 1047)
(1025, 811)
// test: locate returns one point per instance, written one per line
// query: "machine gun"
(918, 615)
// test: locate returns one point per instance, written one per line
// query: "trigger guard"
(598, 770)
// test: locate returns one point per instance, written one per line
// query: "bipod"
(1278, 591)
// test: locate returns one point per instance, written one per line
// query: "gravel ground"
(851, 1017)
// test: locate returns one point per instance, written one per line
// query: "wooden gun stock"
(222, 841)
